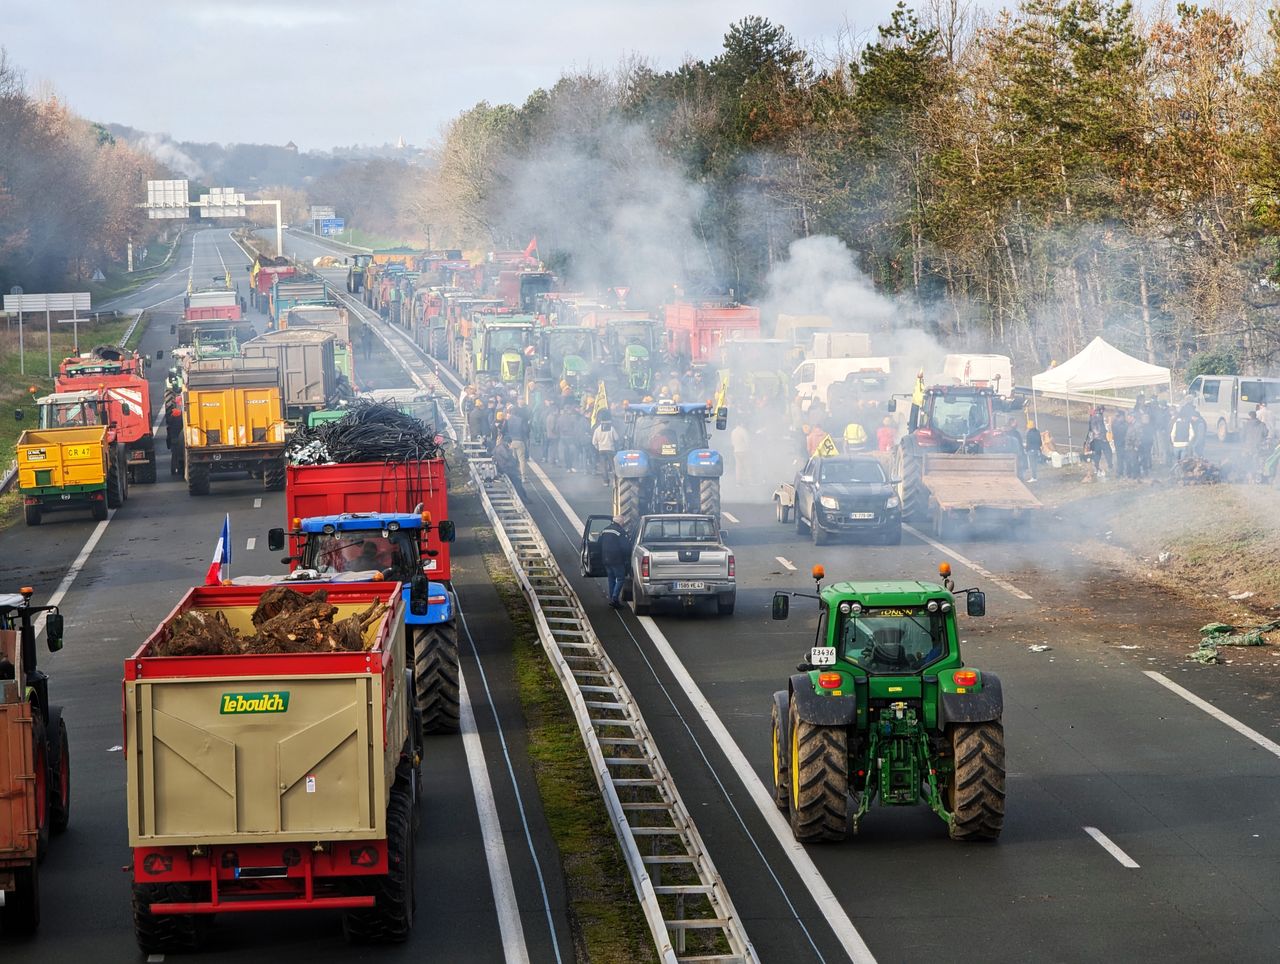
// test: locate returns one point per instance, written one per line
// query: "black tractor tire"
(819, 781)
(390, 920)
(115, 487)
(273, 477)
(165, 933)
(146, 471)
(33, 515)
(626, 502)
(894, 536)
(709, 498)
(60, 775)
(915, 500)
(198, 479)
(725, 604)
(98, 509)
(435, 676)
(20, 915)
(640, 604)
(43, 789)
(781, 788)
(784, 511)
(977, 786)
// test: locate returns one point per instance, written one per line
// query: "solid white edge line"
(1107, 844)
(1248, 732)
(787, 563)
(731, 517)
(828, 906)
(1007, 586)
(514, 949)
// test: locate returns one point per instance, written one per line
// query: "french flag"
(221, 555)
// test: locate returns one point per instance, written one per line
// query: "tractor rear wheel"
(33, 514)
(42, 787)
(435, 676)
(165, 933)
(626, 502)
(115, 488)
(819, 780)
(915, 500)
(390, 919)
(147, 470)
(20, 915)
(977, 786)
(709, 497)
(781, 791)
(273, 477)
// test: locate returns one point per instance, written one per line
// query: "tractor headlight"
(829, 502)
(892, 502)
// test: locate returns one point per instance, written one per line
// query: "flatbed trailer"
(981, 490)
(261, 782)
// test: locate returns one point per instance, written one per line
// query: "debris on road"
(1237, 596)
(1214, 635)
(1038, 648)
(1198, 472)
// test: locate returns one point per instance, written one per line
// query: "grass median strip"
(606, 919)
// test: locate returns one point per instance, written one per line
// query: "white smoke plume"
(170, 155)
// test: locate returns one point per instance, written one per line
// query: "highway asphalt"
(138, 565)
(1140, 826)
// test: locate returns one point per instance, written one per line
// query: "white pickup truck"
(676, 556)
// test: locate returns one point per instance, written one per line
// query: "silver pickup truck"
(676, 556)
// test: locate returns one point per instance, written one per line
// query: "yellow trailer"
(71, 468)
(234, 421)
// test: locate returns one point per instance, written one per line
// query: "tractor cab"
(959, 418)
(73, 410)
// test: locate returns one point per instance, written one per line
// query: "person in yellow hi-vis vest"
(917, 402)
(855, 438)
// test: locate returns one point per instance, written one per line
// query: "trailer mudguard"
(704, 464)
(977, 707)
(821, 710)
(631, 464)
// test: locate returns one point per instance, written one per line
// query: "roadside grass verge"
(604, 912)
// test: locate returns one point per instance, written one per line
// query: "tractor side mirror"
(125, 409)
(419, 590)
(446, 531)
(173, 329)
(781, 605)
(722, 419)
(160, 354)
(976, 603)
(893, 405)
(275, 540)
(18, 415)
(53, 631)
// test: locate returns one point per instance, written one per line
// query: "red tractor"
(956, 461)
(119, 379)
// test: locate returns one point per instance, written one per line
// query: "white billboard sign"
(167, 199)
(62, 301)
(322, 213)
(222, 202)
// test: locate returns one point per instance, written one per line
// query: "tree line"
(68, 191)
(1029, 180)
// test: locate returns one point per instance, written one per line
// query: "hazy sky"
(323, 73)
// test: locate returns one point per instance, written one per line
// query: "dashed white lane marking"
(1107, 844)
(1248, 732)
(257, 503)
(787, 563)
(1007, 586)
(58, 594)
(731, 517)
(251, 543)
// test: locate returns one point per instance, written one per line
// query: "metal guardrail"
(685, 902)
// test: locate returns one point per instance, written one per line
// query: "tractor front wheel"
(60, 798)
(977, 787)
(818, 782)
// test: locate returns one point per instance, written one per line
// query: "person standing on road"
(740, 441)
(1253, 435)
(605, 441)
(1201, 429)
(1034, 445)
(517, 432)
(366, 341)
(1120, 437)
(507, 465)
(615, 550)
(1182, 434)
(885, 435)
(1019, 453)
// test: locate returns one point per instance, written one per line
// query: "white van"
(1226, 400)
(813, 379)
(840, 344)
(995, 371)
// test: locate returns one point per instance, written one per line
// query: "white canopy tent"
(1100, 367)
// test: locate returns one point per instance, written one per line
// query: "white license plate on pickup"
(822, 656)
(862, 515)
(690, 585)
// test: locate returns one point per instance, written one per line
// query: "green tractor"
(884, 707)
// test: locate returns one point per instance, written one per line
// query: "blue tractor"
(364, 546)
(665, 463)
